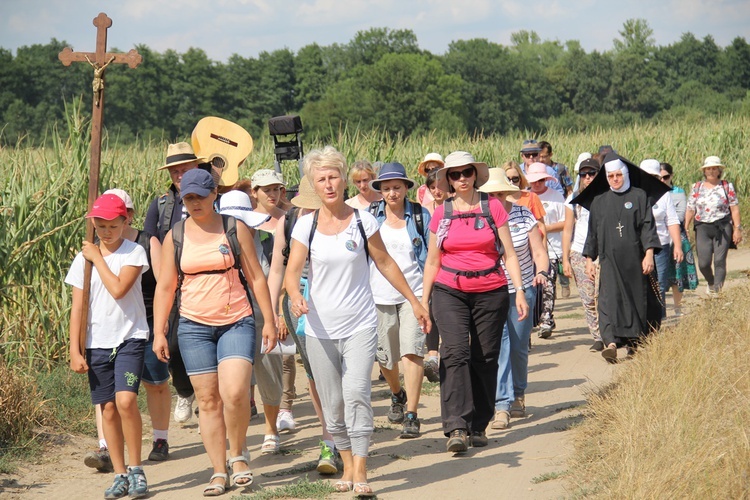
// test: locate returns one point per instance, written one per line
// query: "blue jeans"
(203, 347)
(663, 261)
(513, 364)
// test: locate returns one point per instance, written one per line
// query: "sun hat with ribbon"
(180, 153)
(430, 157)
(237, 204)
(389, 172)
(461, 159)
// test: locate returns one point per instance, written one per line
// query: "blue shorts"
(203, 347)
(155, 372)
(115, 370)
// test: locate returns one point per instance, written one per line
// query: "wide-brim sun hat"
(536, 172)
(391, 172)
(180, 153)
(307, 197)
(461, 159)
(712, 161)
(498, 182)
(237, 204)
(429, 157)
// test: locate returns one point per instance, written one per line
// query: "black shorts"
(115, 370)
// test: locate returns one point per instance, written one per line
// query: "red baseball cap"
(108, 207)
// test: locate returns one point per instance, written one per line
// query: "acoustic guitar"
(224, 143)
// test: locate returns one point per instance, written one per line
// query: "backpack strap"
(374, 207)
(291, 219)
(416, 213)
(165, 204)
(484, 203)
(315, 226)
(178, 236)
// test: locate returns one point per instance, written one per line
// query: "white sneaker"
(285, 421)
(183, 411)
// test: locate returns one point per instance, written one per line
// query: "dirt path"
(562, 371)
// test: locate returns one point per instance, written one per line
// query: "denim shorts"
(115, 370)
(203, 347)
(155, 372)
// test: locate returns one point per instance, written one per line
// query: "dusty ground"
(522, 462)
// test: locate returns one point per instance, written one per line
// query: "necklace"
(470, 207)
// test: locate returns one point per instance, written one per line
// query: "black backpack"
(484, 203)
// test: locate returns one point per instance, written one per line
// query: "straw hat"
(498, 182)
(180, 153)
(461, 159)
(307, 198)
(436, 157)
(712, 161)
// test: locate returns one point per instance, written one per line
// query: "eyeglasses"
(514, 179)
(530, 155)
(587, 174)
(665, 177)
(466, 173)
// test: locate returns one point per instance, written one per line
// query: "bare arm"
(276, 274)
(117, 285)
(166, 286)
(567, 241)
(431, 268)
(689, 216)
(674, 234)
(258, 284)
(77, 358)
(737, 232)
(514, 269)
(155, 256)
(297, 257)
(539, 254)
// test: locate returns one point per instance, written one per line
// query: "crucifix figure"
(619, 227)
(99, 60)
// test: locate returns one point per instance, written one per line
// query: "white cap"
(125, 197)
(651, 166)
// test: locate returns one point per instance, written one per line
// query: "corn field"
(43, 198)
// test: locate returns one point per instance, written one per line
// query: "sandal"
(271, 444)
(214, 490)
(343, 486)
(241, 478)
(363, 490)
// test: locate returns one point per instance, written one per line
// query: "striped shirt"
(520, 222)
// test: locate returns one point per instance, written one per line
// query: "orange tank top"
(212, 293)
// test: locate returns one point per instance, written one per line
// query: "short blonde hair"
(328, 157)
(524, 184)
(362, 166)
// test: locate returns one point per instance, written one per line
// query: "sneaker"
(160, 451)
(138, 487)
(411, 426)
(327, 461)
(479, 439)
(545, 331)
(457, 441)
(678, 312)
(597, 346)
(183, 410)
(502, 420)
(99, 460)
(565, 291)
(285, 421)
(119, 487)
(431, 370)
(518, 407)
(396, 413)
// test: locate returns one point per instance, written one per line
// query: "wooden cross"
(99, 60)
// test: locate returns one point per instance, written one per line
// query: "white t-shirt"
(400, 247)
(113, 321)
(554, 204)
(341, 302)
(581, 227)
(664, 215)
(521, 222)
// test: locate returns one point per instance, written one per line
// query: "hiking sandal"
(363, 490)
(271, 445)
(214, 490)
(343, 486)
(241, 478)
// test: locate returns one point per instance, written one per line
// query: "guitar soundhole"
(218, 162)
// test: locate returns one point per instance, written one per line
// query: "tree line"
(382, 80)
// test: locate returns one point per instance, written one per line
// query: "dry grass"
(674, 424)
(21, 407)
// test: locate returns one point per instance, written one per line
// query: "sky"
(247, 27)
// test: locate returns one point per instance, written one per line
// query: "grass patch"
(304, 488)
(297, 469)
(673, 424)
(430, 388)
(570, 316)
(68, 399)
(547, 476)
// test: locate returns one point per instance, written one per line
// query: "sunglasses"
(665, 177)
(466, 173)
(588, 174)
(530, 155)
(514, 179)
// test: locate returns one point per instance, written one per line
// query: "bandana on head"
(615, 165)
